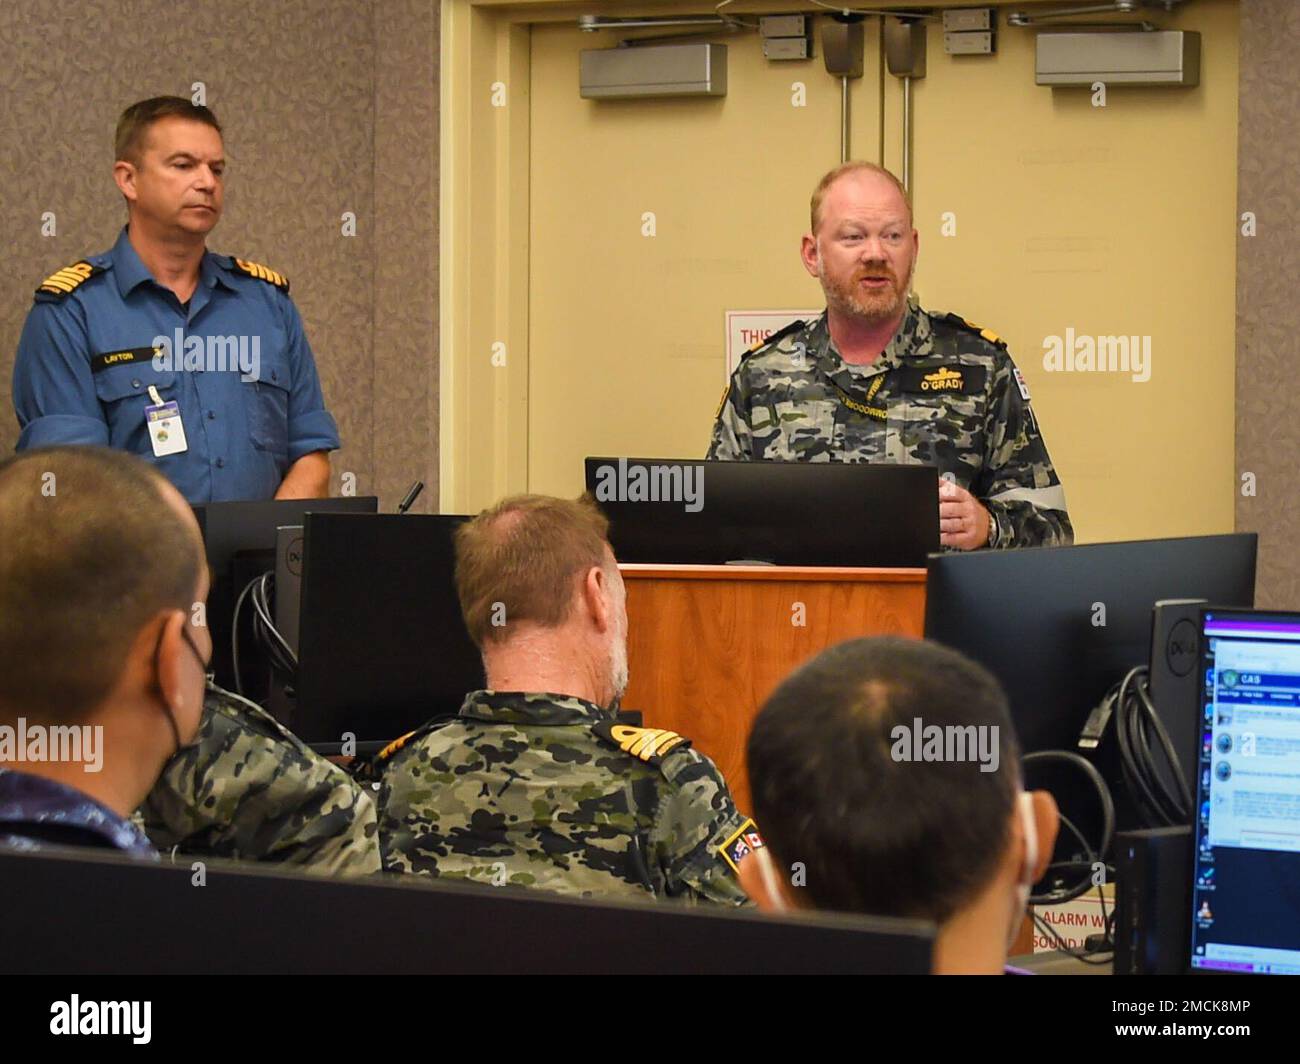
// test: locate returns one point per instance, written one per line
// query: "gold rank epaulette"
(66, 280)
(392, 748)
(403, 740)
(979, 330)
(263, 273)
(649, 744)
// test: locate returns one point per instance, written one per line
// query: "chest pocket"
(123, 391)
(268, 407)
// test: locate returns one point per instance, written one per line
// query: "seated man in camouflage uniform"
(248, 789)
(101, 661)
(878, 379)
(536, 783)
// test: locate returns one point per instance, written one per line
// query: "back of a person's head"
(841, 788)
(90, 551)
(522, 561)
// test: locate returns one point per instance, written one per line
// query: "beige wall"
(1268, 318)
(329, 106)
(1114, 220)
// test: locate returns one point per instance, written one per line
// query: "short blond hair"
(844, 169)
(526, 554)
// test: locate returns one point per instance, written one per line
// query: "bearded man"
(878, 379)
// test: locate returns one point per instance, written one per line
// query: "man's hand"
(308, 478)
(963, 521)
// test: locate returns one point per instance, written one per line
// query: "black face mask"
(171, 720)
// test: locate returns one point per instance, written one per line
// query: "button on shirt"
(37, 813)
(235, 358)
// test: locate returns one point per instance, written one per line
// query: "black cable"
(1136, 725)
(280, 655)
(1088, 851)
(1107, 945)
(1104, 954)
(234, 637)
(1134, 753)
(1183, 798)
(1084, 884)
(1090, 862)
(1094, 777)
(283, 660)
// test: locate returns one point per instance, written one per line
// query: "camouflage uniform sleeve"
(1019, 486)
(732, 440)
(696, 815)
(249, 789)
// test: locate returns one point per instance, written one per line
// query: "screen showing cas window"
(1246, 885)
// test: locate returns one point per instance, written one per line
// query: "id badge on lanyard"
(166, 431)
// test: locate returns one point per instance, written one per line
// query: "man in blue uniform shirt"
(194, 361)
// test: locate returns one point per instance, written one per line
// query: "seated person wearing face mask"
(101, 664)
(886, 777)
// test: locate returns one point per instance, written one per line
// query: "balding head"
(883, 184)
(543, 598)
(524, 559)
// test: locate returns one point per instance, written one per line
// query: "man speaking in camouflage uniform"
(878, 379)
(536, 783)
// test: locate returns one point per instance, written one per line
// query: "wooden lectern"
(708, 643)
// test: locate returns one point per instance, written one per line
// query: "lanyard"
(863, 408)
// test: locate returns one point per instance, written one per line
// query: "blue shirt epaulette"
(256, 269)
(64, 282)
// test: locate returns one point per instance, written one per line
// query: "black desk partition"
(103, 913)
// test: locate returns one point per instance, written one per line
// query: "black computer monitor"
(678, 511)
(239, 538)
(1245, 895)
(382, 647)
(105, 913)
(1058, 626)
